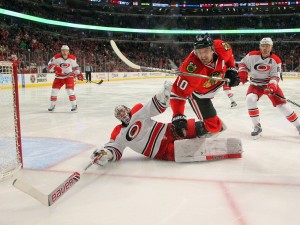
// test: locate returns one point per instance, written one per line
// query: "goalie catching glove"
(101, 157)
(233, 76)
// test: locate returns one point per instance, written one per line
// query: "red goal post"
(10, 132)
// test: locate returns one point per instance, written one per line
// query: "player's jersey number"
(182, 84)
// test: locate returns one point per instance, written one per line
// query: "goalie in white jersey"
(156, 140)
(264, 68)
(66, 70)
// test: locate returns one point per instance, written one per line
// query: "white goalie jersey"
(142, 135)
(261, 70)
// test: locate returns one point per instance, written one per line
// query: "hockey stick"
(51, 198)
(137, 67)
(277, 95)
(100, 82)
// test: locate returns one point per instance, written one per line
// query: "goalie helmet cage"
(10, 135)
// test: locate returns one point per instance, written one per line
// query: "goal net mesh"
(10, 153)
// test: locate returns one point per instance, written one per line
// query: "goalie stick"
(137, 67)
(51, 198)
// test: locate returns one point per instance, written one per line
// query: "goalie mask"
(122, 113)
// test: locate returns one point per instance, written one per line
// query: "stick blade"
(63, 188)
(30, 190)
(122, 57)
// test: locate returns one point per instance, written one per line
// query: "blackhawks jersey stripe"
(174, 96)
(210, 91)
(196, 109)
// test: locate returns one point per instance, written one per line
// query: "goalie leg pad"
(202, 149)
(164, 95)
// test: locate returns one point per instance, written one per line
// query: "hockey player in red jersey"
(156, 140)
(211, 58)
(264, 68)
(66, 70)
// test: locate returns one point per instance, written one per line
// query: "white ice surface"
(262, 188)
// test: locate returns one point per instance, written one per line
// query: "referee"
(88, 72)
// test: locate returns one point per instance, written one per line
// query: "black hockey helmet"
(203, 41)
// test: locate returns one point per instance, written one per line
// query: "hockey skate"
(233, 104)
(51, 108)
(74, 108)
(256, 133)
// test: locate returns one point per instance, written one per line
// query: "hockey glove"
(80, 77)
(233, 76)
(58, 70)
(271, 88)
(179, 127)
(101, 157)
(243, 76)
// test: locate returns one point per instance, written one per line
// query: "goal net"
(10, 136)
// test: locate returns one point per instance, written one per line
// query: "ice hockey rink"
(262, 188)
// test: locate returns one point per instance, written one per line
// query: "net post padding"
(17, 110)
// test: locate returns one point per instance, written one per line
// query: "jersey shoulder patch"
(276, 58)
(116, 132)
(136, 108)
(70, 56)
(254, 53)
(191, 67)
(222, 44)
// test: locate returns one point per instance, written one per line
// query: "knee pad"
(70, 92)
(251, 101)
(54, 91)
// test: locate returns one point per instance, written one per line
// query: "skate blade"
(256, 137)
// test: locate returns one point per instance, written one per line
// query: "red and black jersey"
(184, 86)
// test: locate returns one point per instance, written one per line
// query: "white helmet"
(65, 47)
(266, 41)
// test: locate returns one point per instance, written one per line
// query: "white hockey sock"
(72, 96)
(230, 95)
(53, 97)
(253, 111)
(289, 113)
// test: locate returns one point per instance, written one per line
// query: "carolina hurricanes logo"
(133, 131)
(64, 65)
(262, 67)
